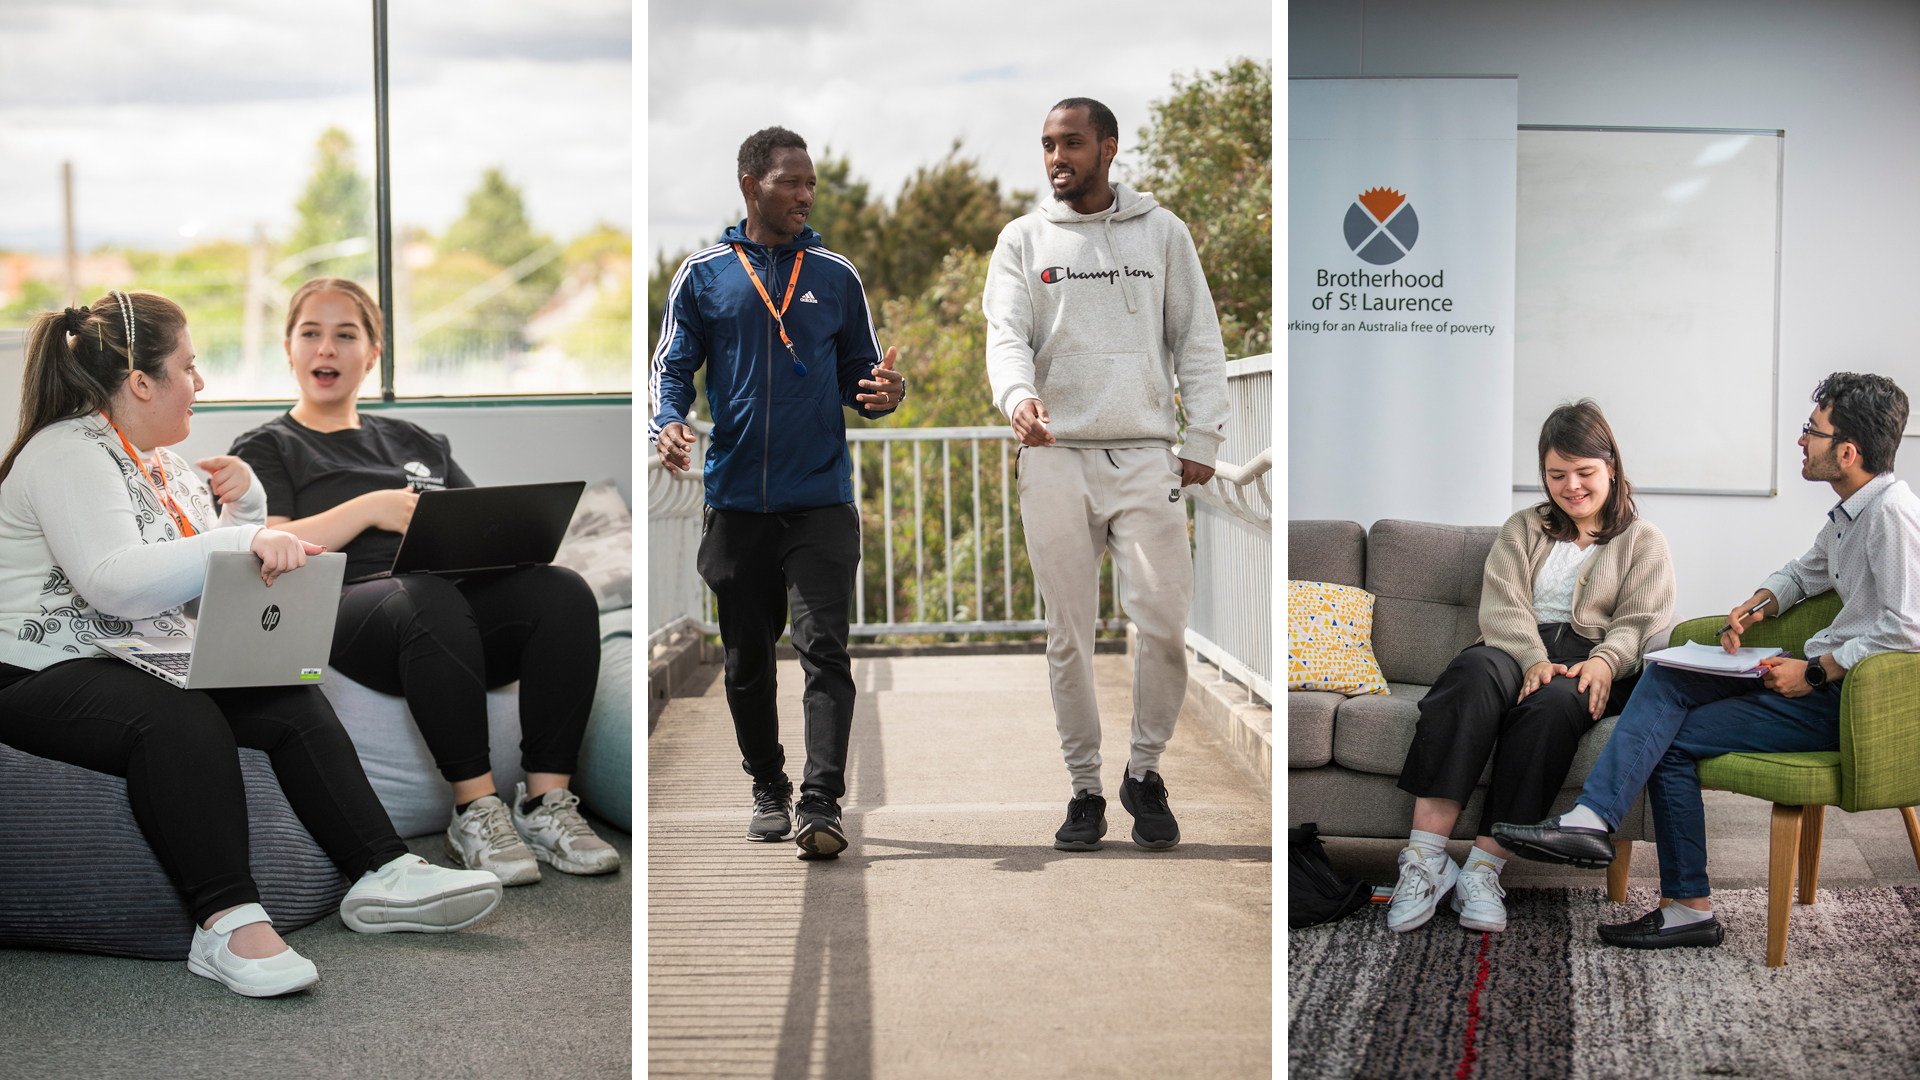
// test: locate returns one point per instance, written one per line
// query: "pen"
(1750, 611)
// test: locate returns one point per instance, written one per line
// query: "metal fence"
(944, 552)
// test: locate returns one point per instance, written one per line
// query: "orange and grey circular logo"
(1381, 226)
(270, 618)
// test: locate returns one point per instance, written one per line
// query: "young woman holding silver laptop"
(104, 533)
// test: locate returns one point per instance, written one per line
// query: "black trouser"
(443, 644)
(1470, 714)
(176, 749)
(760, 567)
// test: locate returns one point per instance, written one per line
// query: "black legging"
(442, 644)
(1471, 714)
(176, 749)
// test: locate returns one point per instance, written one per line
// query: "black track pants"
(176, 750)
(443, 644)
(762, 567)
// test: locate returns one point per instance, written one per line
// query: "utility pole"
(254, 313)
(73, 258)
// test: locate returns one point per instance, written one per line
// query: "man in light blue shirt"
(1868, 551)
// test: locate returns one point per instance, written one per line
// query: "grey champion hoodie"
(1102, 316)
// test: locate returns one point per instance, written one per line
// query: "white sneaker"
(411, 893)
(282, 973)
(1419, 890)
(483, 839)
(1478, 898)
(559, 836)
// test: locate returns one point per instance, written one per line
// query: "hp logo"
(270, 618)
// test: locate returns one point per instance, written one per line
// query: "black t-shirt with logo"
(307, 472)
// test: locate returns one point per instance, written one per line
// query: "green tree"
(495, 227)
(942, 208)
(843, 214)
(336, 205)
(1207, 155)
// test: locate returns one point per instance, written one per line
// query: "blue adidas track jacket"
(779, 439)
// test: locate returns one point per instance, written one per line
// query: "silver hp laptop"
(470, 530)
(248, 634)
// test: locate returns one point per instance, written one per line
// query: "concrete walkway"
(952, 940)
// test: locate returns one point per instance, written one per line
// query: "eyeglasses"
(1807, 429)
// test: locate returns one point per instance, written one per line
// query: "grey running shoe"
(483, 839)
(1086, 824)
(559, 836)
(772, 810)
(819, 835)
(1153, 824)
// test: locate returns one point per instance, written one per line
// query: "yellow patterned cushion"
(1330, 639)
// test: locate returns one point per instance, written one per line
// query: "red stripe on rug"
(1473, 1010)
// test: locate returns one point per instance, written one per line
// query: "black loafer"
(1647, 933)
(1551, 842)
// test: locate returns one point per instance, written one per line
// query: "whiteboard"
(1646, 277)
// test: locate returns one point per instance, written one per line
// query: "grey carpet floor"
(1546, 999)
(541, 988)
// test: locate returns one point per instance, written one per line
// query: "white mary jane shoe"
(281, 973)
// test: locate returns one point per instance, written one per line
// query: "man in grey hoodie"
(1097, 312)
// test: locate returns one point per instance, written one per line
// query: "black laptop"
(470, 530)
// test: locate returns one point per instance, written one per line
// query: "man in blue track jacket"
(783, 327)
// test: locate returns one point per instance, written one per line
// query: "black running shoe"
(819, 836)
(1086, 824)
(1153, 824)
(772, 810)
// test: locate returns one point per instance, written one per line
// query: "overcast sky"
(194, 119)
(891, 85)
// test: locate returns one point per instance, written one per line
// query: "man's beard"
(1825, 466)
(1082, 186)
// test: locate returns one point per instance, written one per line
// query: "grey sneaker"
(483, 838)
(772, 810)
(559, 836)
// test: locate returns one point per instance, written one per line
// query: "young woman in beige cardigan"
(1573, 588)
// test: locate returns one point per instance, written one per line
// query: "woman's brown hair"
(369, 311)
(77, 358)
(1580, 431)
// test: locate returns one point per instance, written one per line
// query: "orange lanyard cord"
(779, 316)
(160, 485)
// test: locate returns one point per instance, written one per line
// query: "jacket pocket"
(1104, 395)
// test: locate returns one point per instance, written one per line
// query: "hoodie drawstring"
(1115, 253)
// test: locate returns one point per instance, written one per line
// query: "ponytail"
(77, 358)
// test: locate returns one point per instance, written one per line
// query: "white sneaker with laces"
(282, 973)
(411, 893)
(559, 836)
(1479, 899)
(483, 838)
(1419, 890)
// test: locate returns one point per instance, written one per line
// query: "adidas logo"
(807, 297)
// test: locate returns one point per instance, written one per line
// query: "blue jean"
(1674, 719)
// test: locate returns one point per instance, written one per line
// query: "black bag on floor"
(1315, 894)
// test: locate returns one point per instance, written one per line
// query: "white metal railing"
(944, 553)
(1232, 622)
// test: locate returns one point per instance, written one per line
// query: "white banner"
(1400, 227)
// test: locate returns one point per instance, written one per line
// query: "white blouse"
(87, 550)
(1553, 589)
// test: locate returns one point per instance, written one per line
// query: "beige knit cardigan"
(1623, 596)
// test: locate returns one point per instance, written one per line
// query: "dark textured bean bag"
(76, 873)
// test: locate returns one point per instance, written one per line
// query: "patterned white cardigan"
(87, 550)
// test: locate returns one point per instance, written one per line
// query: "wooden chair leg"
(1812, 824)
(1783, 852)
(1617, 872)
(1913, 831)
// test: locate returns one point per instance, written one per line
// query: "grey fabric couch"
(1344, 753)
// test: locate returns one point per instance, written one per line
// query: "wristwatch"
(1816, 673)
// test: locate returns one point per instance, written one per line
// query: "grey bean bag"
(76, 873)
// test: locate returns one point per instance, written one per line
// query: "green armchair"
(1876, 768)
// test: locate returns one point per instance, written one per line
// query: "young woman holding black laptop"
(105, 533)
(335, 476)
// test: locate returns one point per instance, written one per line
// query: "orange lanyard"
(160, 485)
(779, 319)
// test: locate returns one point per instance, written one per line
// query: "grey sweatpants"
(1074, 504)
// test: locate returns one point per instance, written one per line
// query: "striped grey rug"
(1546, 999)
